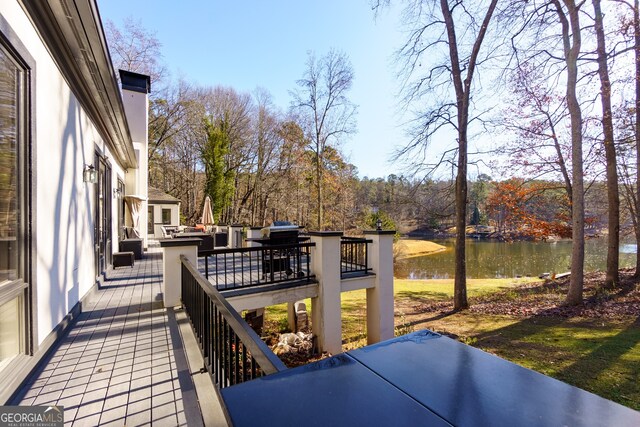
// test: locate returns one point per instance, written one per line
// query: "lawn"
(415, 248)
(601, 355)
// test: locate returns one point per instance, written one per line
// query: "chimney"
(135, 97)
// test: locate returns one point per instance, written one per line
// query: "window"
(13, 212)
(166, 216)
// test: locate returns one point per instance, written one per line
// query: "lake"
(493, 259)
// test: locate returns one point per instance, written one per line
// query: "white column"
(380, 324)
(253, 233)
(326, 311)
(235, 236)
(172, 267)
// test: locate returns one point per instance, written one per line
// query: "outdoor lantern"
(90, 174)
(379, 224)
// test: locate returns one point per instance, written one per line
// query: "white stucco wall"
(64, 141)
(157, 217)
(136, 107)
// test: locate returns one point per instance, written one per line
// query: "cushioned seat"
(123, 259)
(132, 245)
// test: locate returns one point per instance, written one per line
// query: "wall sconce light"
(379, 224)
(90, 174)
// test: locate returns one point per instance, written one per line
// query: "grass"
(416, 248)
(354, 305)
(443, 288)
(601, 356)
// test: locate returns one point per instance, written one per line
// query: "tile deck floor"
(122, 362)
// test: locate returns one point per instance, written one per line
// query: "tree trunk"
(613, 196)
(319, 190)
(460, 282)
(636, 30)
(571, 33)
(462, 90)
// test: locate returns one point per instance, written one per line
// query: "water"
(491, 259)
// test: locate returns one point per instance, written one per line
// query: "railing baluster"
(219, 351)
(253, 368)
(216, 261)
(354, 256)
(229, 358)
(205, 321)
(232, 351)
(266, 265)
(236, 358)
(244, 362)
(225, 370)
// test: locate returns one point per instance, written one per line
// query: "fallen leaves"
(547, 299)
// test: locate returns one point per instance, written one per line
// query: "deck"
(255, 270)
(122, 362)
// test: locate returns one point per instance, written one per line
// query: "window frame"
(162, 216)
(24, 286)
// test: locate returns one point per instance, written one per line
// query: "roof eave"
(73, 33)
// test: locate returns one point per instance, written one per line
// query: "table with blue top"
(421, 379)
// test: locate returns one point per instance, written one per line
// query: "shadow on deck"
(122, 362)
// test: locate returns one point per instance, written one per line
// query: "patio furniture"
(207, 240)
(123, 259)
(132, 245)
(168, 231)
(221, 239)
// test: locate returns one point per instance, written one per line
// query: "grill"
(285, 259)
(279, 235)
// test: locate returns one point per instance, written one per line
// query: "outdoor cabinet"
(221, 240)
(132, 245)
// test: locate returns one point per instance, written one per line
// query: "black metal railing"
(232, 351)
(237, 268)
(354, 259)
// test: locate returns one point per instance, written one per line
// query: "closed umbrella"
(207, 212)
(134, 203)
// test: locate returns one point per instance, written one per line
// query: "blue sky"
(249, 44)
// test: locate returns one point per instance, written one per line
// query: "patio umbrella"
(207, 212)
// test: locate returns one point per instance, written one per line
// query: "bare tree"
(134, 48)
(321, 98)
(613, 197)
(459, 29)
(536, 117)
(572, 41)
(632, 189)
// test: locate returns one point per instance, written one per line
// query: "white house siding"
(65, 140)
(157, 216)
(136, 103)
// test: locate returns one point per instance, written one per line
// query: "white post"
(380, 324)
(235, 236)
(253, 233)
(135, 100)
(172, 267)
(230, 237)
(326, 311)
